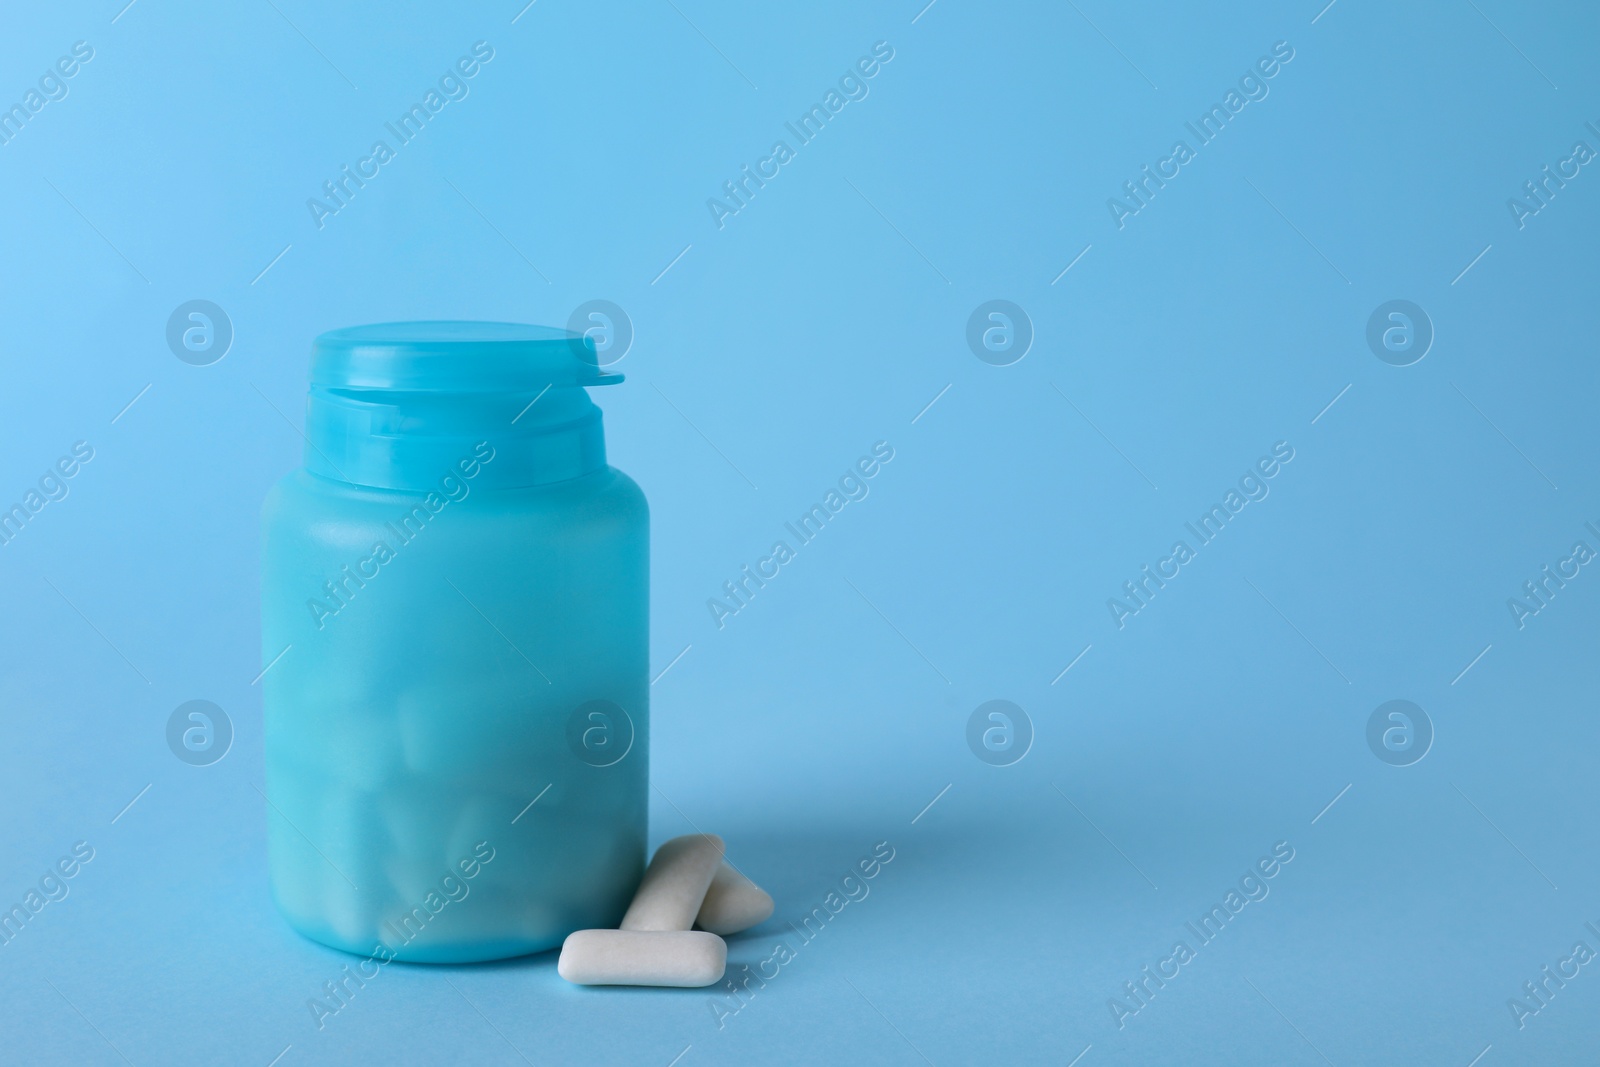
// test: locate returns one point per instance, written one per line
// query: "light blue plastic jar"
(454, 622)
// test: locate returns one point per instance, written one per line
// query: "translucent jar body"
(455, 711)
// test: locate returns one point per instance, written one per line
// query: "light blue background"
(824, 317)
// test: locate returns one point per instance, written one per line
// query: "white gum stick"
(675, 884)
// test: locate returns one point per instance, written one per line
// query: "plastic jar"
(454, 626)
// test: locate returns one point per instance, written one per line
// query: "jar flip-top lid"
(396, 405)
(450, 356)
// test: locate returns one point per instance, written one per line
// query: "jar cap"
(455, 357)
(394, 404)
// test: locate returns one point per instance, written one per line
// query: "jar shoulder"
(302, 505)
(301, 492)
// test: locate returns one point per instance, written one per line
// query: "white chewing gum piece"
(681, 958)
(733, 903)
(675, 883)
